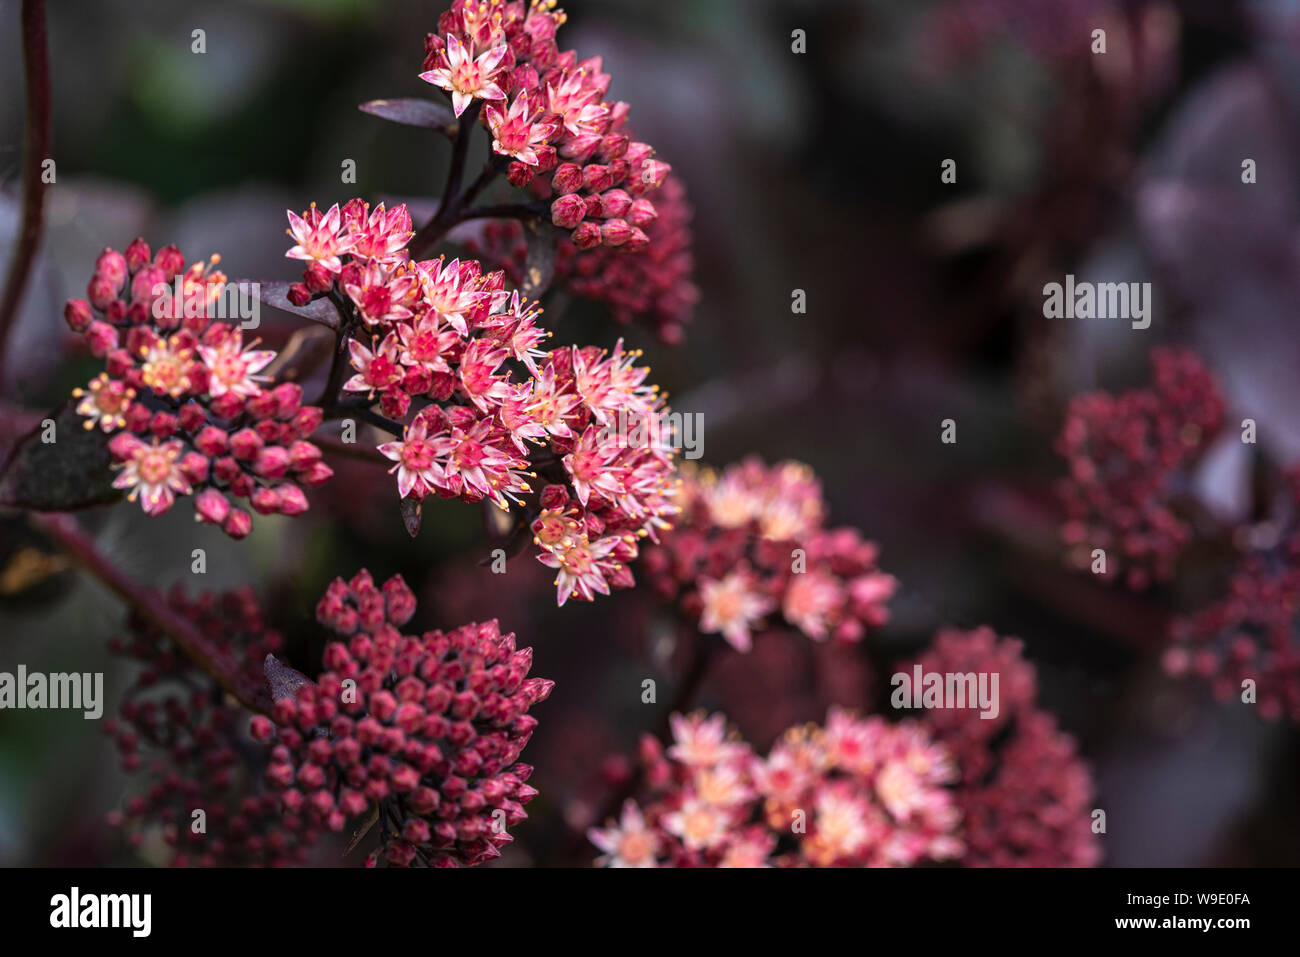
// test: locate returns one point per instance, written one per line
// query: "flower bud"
(642, 213)
(520, 174)
(586, 235)
(138, 255)
(615, 232)
(614, 203)
(111, 265)
(568, 211)
(567, 178)
(211, 506)
(170, 261)
(317, 278)
(237, 524)
(596, 178)
(77, 315)
(265, 501)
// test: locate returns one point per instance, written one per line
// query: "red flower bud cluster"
(182, 731)
(751, 543)
(547, 112)
(182, 394)
(652, 286)
(1126, 455)
(428, 728)
(454, 356)
(1253, 631)
(860, 792)
(1024, 793)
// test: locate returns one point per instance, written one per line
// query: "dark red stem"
(36, 68)
(151, 606)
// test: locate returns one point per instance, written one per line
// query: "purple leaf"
(72, 471)
(276, 295)
(413, 112)
(411, 516)
(283, 681)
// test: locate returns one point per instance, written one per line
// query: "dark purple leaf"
(411, 516)
(413, 112)
(276, 295)
(73, 471)
(283, 681)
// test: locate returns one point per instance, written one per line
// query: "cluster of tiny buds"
(548, 114)
(423, 731)
(178, 728)
(654, 287)
(1127, 455)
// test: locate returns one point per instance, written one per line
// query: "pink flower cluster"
(547, 112)
(425, 728)
(1251, 632)
(860, 792)
(448, 336)
(182, 731)
(1024, 794)
(653, 286)
(1125, 455)
(184, 397)
(751, 544)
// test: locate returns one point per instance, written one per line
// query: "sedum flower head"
(422, 731)
(653, 286)
(178, 730)
(487, 415)
(1125, 454)
(751, 550)
(549, 113)
(1025, 794)
(187, 401)
(856, 792)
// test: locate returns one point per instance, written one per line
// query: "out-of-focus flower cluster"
(652, 286)
(751, 545)
(1252, 632)
(456, 352)
(959, 30)
(182, 395)
(547, 111)
(425, 728)
(1126, 455)
(178, 728)
(1024, 793)
(859, 792)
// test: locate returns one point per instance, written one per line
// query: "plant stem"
(36, 66)
(436, 228)
(504, 211)
(339, 364)
(151, 606)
